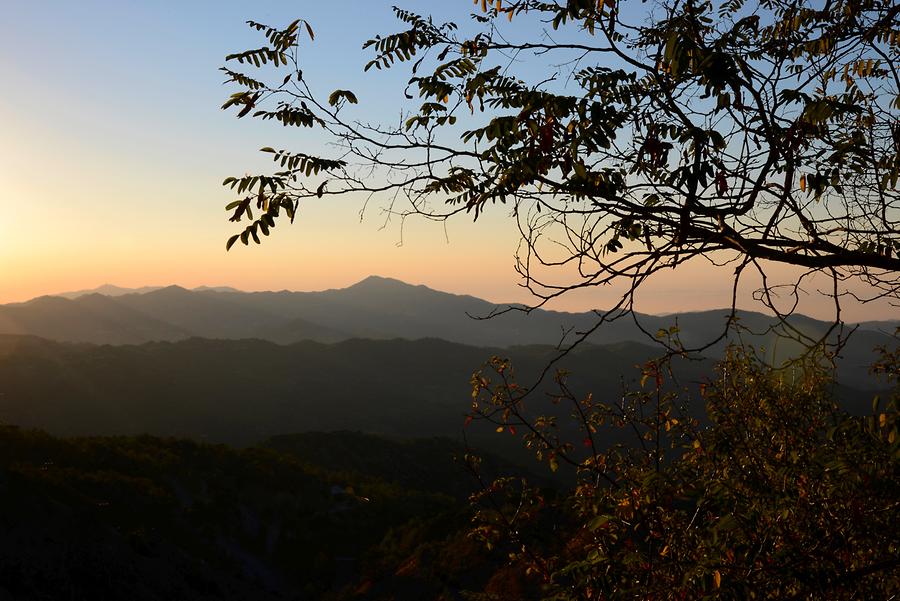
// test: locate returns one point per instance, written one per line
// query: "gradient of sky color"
(113, 149)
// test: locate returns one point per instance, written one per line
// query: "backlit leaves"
(339, 95)
(779, 494)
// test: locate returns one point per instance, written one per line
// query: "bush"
(779, 495)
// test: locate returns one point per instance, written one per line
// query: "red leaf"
(721, 183)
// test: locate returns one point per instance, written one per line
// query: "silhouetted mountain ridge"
(380, 308)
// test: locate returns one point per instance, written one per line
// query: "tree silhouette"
(628, 138)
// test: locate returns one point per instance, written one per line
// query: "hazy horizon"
(143, 289)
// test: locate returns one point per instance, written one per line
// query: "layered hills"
(302, 505)
(242, 391)
(384, 309)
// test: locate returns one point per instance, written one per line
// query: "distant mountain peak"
(382, 281)
(172, 290)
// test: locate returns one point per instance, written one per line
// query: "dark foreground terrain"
(340, 515)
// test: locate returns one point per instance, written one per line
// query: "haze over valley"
(381, 356)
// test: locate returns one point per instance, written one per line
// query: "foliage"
(780, 495)
(628, 137)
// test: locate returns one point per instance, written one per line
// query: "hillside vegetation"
(242, 391)
(148, 518)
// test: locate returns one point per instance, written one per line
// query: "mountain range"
(382, 309)
(381, 356)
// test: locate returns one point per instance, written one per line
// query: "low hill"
(91, 318)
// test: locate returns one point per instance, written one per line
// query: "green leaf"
(337, 95)
(599, 522)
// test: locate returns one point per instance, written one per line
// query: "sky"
(113, 150)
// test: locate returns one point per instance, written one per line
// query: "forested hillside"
(246, 390)
(156, 519)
